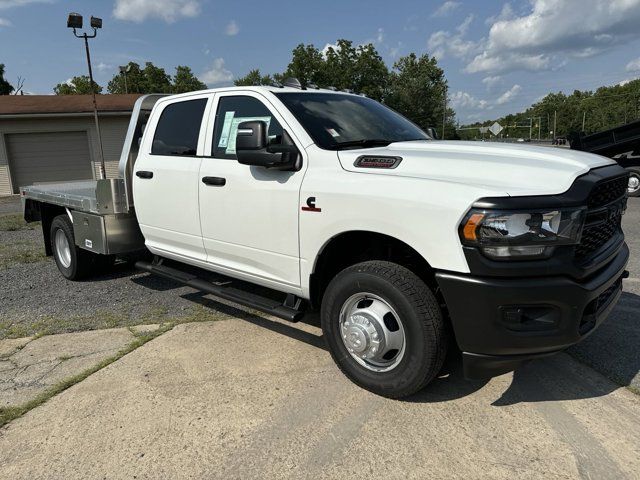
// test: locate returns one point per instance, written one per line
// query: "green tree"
(307, 65)
(150, 79)
(185, 81)
(5, 87)
(77, 86)
(603, 109)
(254, 77)
(417, 89)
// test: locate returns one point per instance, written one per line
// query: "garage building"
(52, 138)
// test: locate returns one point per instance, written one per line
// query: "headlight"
(504, 235)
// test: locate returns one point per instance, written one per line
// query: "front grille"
(607, 192)
(596, 236)
(604, 218)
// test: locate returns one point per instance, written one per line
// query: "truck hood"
(516, 170)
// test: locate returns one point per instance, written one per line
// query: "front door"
(166, 178)
(249, 214)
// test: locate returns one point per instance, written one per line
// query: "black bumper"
(501, 322)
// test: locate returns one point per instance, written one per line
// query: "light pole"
(124, 69)
(74, 21)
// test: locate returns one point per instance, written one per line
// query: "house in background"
(52, 138)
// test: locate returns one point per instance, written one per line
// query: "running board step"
(291, 312)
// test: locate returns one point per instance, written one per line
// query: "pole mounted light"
(74, 21)
(124, 69)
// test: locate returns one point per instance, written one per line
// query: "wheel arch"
(355, 246)
(45, 213)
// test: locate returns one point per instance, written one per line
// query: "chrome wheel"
(372, 332)
(634, 184)
(63, 249)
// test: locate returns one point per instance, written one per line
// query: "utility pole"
(444, 112)
(584, 117)
(539, 126)
(555, 124)
(75, 21)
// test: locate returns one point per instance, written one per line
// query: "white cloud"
(446, 8)
(444, 42)
(4, 4)
(553, 31)
(633, 65)
(509, 95)
(467, 101)
(232, 28)
(103, 67)
(5, 23)
(334, 46)
(167, 10)
(492, 81)
(506, 13)
(380, 36)
(217, 75)
(507, 61)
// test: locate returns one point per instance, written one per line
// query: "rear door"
(166, 178)
(250, 217)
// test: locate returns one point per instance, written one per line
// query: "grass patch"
(198, 314)
(20, 252)
(14, 222)
(51, 325)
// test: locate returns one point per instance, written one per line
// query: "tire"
(416, 313)
(76, 263)
(634, 180)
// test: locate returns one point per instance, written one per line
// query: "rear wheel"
(74, 263)
(633, 188)
(384, 328)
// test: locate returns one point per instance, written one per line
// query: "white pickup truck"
(335, 202)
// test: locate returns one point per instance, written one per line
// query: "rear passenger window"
(178, 128)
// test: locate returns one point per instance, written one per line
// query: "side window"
(178, 128)
(232, 111)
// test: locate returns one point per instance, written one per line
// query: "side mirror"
(432, 133)
(253, 148)
(251, 136)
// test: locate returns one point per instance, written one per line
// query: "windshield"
(336, 121)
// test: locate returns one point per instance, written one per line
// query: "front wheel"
(384, 328)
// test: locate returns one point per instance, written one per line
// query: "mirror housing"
(252, 148)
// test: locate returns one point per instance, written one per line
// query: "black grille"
(604, 218)
(596, 236)
(607, 192)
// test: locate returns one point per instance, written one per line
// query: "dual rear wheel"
(73, 262)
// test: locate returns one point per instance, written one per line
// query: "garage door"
(48, 157)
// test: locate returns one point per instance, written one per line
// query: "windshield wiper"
(364, 143)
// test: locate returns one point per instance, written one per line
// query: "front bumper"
(500, 323)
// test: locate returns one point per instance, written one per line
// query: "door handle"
(214, 181)
(144, 174)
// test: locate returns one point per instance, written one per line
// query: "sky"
(499, 57)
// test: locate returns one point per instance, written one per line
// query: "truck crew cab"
(341, 204)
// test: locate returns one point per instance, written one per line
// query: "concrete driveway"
(257, 398)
